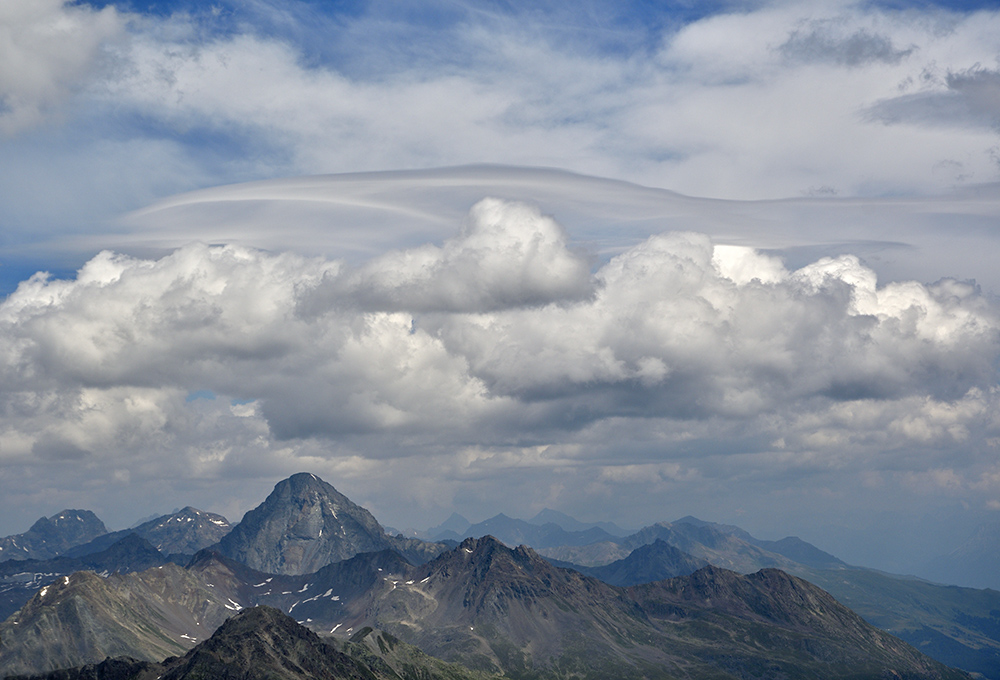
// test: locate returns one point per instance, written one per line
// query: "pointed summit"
(301, 527)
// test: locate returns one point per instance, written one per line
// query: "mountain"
(792, 547)
(719, 544)
(184, 532)
(515, 532)
(305, 524)
(84, 618)
(974, 563)
(262, 643)
(21, 579)
(561, 519)
(495, 608)
(654, 562)
(483, 603)
(957, 626)
(723, 549)
(51, 536)
(807, 632)
(455, 526)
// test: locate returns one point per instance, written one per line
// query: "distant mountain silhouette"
(975, 563)
(653, 562)
(561, 519)
(516, 532)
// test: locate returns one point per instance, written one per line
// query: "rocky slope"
(303, 525)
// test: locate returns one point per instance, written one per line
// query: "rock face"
(52, 536)
(302, 526)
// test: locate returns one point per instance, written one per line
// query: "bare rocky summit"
(305, 524)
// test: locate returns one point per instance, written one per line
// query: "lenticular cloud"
(500, 333)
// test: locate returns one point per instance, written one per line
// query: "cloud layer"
(498, 353)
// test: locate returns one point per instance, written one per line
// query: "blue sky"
(629, 260)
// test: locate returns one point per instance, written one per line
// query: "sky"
(629, 260)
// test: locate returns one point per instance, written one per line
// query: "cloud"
(969, 99)
(761, 102)
(49, 49)
(820, 42)
(499, 336)
(508, 256)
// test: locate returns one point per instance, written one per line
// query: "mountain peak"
(262, 642)
(303, 525)
(51, 536)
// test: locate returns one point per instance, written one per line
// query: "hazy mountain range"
(685, 598)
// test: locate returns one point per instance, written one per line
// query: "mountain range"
(701, 599)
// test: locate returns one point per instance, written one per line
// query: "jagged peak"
(486, 551)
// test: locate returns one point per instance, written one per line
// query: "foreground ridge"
(263, 643)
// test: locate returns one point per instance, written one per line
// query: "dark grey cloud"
(823, 43)
(971, 99)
